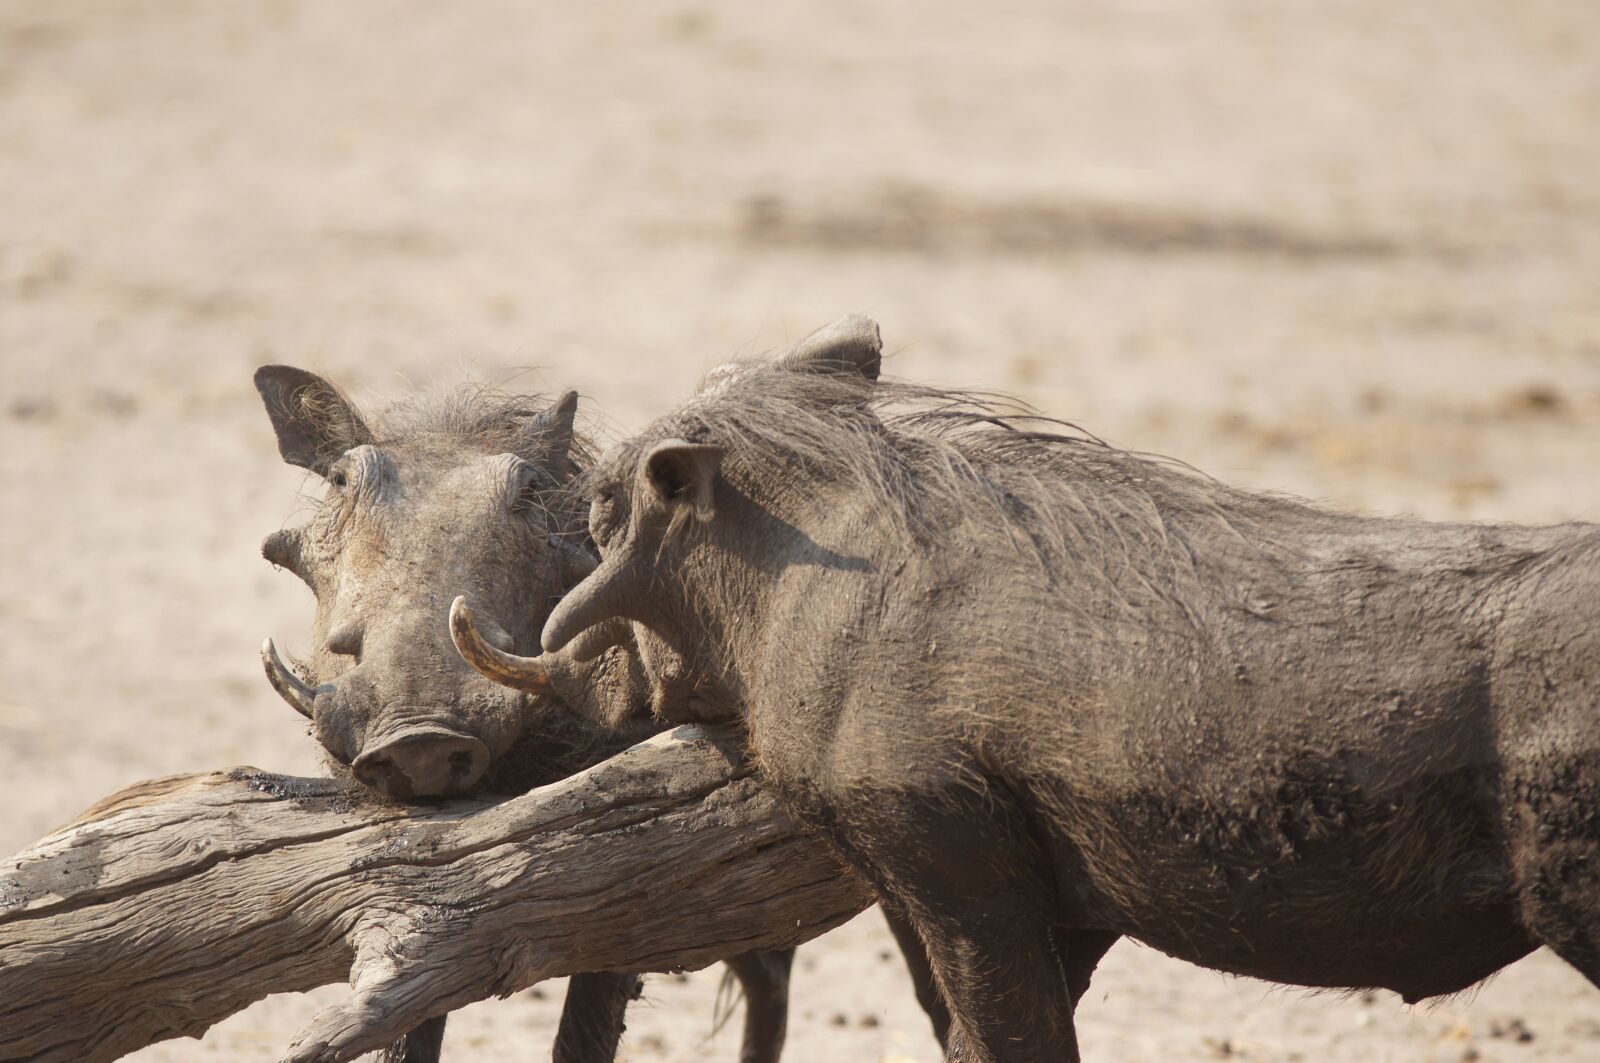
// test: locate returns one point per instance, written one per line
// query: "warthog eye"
(535, 484)
(362, 470)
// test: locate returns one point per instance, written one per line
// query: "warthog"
(1033, 686)
(460, 492)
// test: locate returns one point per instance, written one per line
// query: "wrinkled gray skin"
(1034, 687)
(463, 492)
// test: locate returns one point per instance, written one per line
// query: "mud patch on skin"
(1309, 801)
(1558, 796)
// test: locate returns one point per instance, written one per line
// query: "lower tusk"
(523, 673)
(300, 695)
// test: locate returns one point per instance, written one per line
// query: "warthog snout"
(423, 761)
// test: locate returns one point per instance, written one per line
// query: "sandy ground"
(1349, 250)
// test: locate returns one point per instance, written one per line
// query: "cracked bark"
(177, 902)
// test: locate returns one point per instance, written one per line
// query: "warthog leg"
(994, 955)
(591, 1024)
(765, 978)
(1081, 952)
(1553, 857)
(420, 1045)
(922, 981)
(592, 1018)
(986, 917)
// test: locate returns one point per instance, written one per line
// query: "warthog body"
(464, 492)
(1036, 688)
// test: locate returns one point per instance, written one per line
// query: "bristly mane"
(1111, 543)
(480, 414)
(927, 459)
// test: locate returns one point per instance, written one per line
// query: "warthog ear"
(315, 424)
(545, 437)
(851, 344)
(675, 476)
(683, 474)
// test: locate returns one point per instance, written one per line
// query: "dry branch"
(179, 901)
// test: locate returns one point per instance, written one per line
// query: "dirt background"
(1348, 249)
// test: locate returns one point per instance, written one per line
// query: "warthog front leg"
(986, 917)
(592, 1017)
(922, 981)
(765, 978)
(1081, 952)
(997, 961)
(591, 1024)
(420, 1045)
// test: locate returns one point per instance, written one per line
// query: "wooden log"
(177, 902)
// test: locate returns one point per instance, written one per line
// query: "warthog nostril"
(423, 761)
(379, 773)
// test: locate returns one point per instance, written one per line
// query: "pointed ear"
(315, 424)
(851, 344)
(683, 474)
(544, 437)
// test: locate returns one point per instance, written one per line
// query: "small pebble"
(1512, 1029)
(1535, 398)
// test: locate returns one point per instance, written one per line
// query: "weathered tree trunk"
(179, 901)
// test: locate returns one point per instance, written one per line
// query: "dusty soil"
(1349, 250)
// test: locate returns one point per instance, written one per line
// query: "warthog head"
(460, 494)
(660, 504)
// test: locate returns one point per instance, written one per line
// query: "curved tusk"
(523, 673)
(289, 686)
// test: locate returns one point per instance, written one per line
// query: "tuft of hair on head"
(491, 418)
(850, 348)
